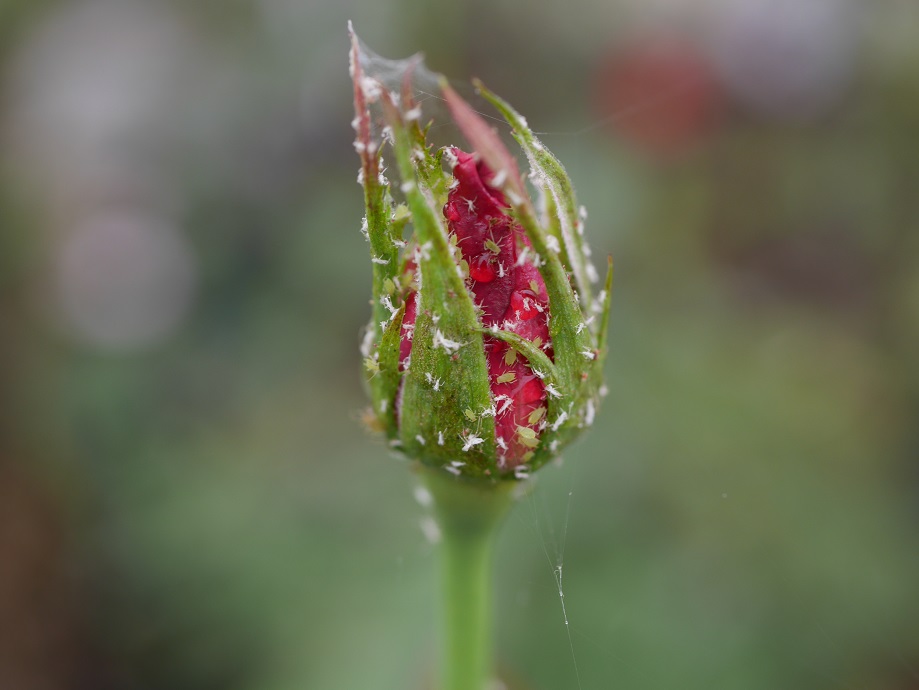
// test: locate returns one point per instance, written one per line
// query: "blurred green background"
(187, 498)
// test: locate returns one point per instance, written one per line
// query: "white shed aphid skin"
(386, 301)
(379, 260)
(489, 412)
(592, 274)
(450, 346)
(420, 439)
(413, 115)
(522, 257)
(471, 441)
(367, 343)
(451, 160)
(424, 251)
(597, 306)
(430, 529)
(423, 496)
(514, 198)
(589, 354)
(553, 391)
(561, 419)
(590, 412)
(440, 438)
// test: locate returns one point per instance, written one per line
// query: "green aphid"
(536, 415)
(527, 437)
(470, 415)
(507, 378)
(493, 247)
(510, 356)
(525, 432)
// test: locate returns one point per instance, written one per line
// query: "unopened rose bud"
(485, 352)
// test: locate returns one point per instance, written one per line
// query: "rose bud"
(484, 355)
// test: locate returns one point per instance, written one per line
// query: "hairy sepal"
(384, 383)
(447, 346)
(553, 176)
(383, 232)
(575, 347)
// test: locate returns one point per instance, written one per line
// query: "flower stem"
(469, 514)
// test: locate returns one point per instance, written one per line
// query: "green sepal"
(447, 347)
(603, 331)
(569, 339)
(382, 232)
(552, 173)
(536, 358)
(384, 383)
(572, 340)
(586, 401)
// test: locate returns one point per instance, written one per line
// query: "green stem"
(469, 514)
